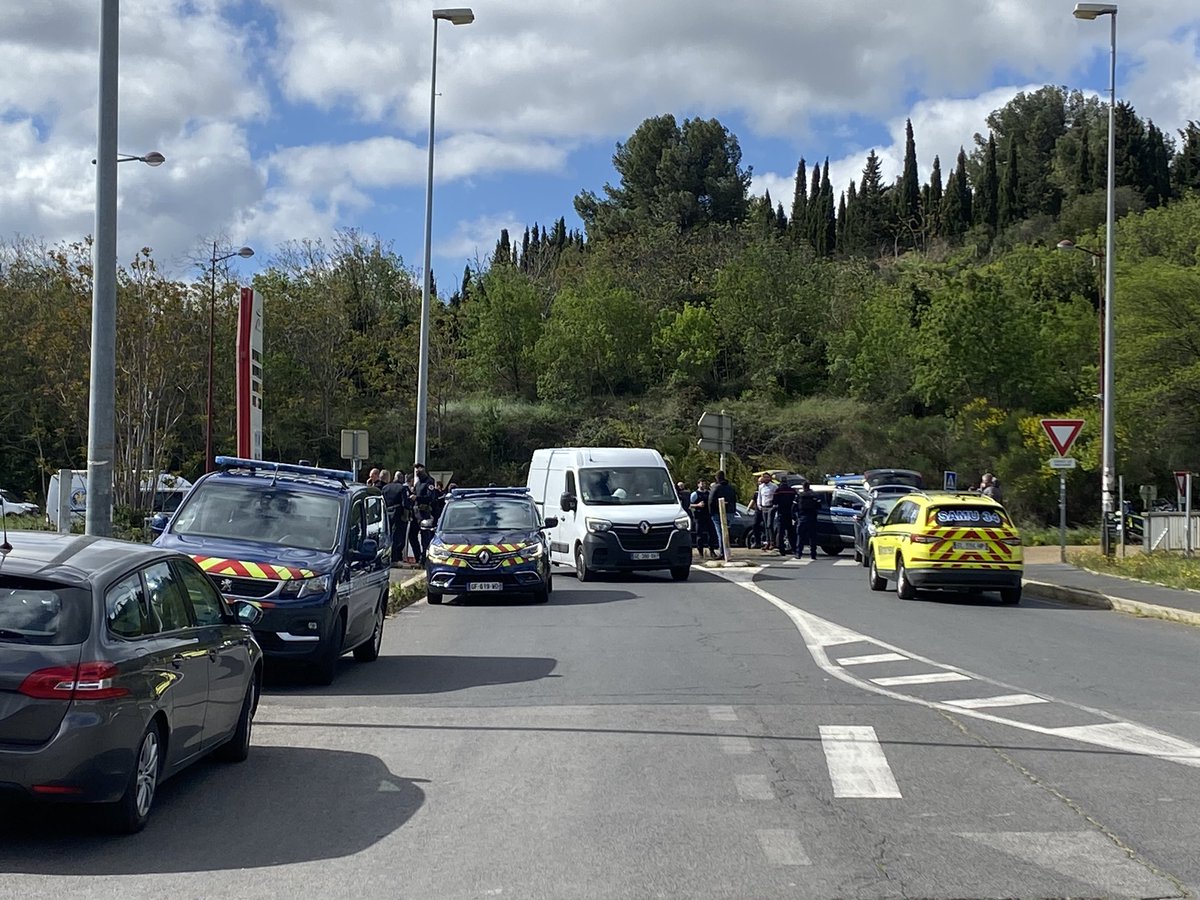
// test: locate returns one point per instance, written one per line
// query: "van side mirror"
(568, 502)
(551, 522)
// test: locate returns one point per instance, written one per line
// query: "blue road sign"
(949, 481)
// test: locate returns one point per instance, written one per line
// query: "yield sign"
(1181, 480)
(1062, 433)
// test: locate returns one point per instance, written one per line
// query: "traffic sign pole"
(1062, 516)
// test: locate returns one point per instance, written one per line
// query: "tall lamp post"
(1108, 469)
(458, 16)
(243, 252)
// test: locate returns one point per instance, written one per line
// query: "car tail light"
(925, 538)
(86, 681)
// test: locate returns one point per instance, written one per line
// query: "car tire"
(433, 597)
(680, 573)
(582, 572)
(866, 557)
(541, 595)
(325, 670)
(904, 587)
(369, 652)
(549, 582)
(858, 557)
(1010, 596)
(873, 578)
(749, 541)
(237, 748)
(130, 814)
(832, 549)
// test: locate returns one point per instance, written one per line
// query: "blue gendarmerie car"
(308, 546)
(489, 541)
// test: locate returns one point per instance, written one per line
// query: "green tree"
(1009, 209)
(908, 200)
(1185, 167)
(504, 322)
(986, 203)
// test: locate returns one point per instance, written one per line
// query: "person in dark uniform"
(395, 495)
(785, 505)
(721, 490)
(807, 507)
(702, 522)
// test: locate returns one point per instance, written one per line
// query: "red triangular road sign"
(1181, 483)
(1062, 433)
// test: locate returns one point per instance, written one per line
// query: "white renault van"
(616, 507)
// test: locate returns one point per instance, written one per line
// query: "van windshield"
(627, 486)
(273, 516)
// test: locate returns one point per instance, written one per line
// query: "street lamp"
(1092, 11)
(152, 159)
(457, 16)
(245, 253)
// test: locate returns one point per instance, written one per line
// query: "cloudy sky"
(287, 119)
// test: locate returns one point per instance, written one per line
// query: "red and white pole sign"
(1062, 433)
(250, 375)
(1181, 486)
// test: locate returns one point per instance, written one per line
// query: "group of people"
(409, 501)
(785, 519)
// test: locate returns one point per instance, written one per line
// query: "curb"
(397, 602)
(1096, 600)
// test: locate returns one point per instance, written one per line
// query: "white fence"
(1169, 531)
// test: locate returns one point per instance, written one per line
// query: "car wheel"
(877, 583)
(832, 549)
(581, 570)
(237, 748)
(858, 557)
(541, 595)
(369, 652)
(681, 573)
(325, 670)
(751, 541)
(866, 557)
(130, 814)
(904, 587)
(1010, 596)
(549, 582)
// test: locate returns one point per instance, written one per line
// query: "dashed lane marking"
(871, 658)
(782, 847)
(799, 562)
(753, 787)
(857, 764)
(847, 562)
(1115, 734)
(927, 678)
(998, 700)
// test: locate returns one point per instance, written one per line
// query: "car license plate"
(973, 546)
(639, 557)
(485, 586)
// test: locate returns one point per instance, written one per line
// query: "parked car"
(310, 546)
(14, 506)
(880, 501)
(120, 665)
(741, 527)
(489, 540)
(950, 541)
(876, 477)
(835, 519)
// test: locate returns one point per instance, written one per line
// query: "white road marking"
(998, 700)
(927, 678)
(871, 658)
(1085, 856)
(847, 562)
(799, 562)
(754, 787)
(722, 714)
(819, 634)
(782, 847)
(858, 767)
(734, 746)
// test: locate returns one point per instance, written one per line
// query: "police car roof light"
(490, 492)
(233, 462)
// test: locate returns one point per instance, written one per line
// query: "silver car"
(120, 664)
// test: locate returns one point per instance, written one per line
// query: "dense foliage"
(925, 325)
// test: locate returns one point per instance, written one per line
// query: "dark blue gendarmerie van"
(310, 547)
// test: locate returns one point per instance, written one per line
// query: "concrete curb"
(1097, 600)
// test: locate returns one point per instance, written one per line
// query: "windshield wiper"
(7, 634)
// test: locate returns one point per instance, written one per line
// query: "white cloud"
(476, 238)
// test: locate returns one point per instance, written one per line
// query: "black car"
(835, 520)
(310, 546)
(120, 664)
(882, 498)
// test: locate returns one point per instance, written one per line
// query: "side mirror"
(568, 502)
(246, 613)
(367, 550)
(551, 522)
(158, 523)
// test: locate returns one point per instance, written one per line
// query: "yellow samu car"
(953, 541)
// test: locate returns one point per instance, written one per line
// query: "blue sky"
(284, 120)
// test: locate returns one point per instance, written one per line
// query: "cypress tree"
(1158, 192)
(781, 219)
(1009, 210)
(909, 207)
(800, 201)
(851, 241)
(1084, 178)
(933, 201)
(524, 262)
(987, 192)
(870, 212)
(828, 211)
(841, 222)
(503, 254)
(1185, 167)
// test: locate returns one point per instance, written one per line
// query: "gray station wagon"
(120, 664)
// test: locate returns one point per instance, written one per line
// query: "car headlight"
(598, 526)
(534, 550)
(307, 587)
(437, 553)
(683, 523)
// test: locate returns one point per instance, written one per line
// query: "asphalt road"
(787, 734)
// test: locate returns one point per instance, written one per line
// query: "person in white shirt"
(764, 509)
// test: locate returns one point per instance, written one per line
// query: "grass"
(400, 596)
(1043, 536)
(1168, 569)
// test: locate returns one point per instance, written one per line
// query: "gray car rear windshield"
(42, 612)
(272, 515)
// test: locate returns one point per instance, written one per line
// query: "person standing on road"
(702, 523)
(424, 497)
(394, 497)
(373, 478)
(721, 490)
(764, 510)
(785, 505)
(807, 507)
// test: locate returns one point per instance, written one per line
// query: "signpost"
(1183, 488)
(355, 447)
(1062, 434)
(949, 481)
(716, 434)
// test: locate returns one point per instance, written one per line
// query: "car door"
(846, 506)
(888, 539)
(562, 536)
(180, 656)
(228, 645)
(361, 589)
